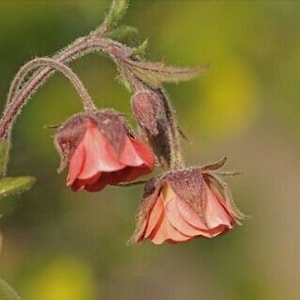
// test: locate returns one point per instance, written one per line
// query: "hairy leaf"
(154, 74)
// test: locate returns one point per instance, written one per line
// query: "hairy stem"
(78, 85)
(80, 47)
(176, 159)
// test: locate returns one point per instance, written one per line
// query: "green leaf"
(141, 49)
(154, 74)
(7, 292)
(121, 32)
(4, 156)
(15, 185)
(116, 12)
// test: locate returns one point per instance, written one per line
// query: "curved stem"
(17, 82)
(84, 95)
(80, 47)
(15, 86)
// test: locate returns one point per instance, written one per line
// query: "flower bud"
(100, 151)
(185, 204)
(147, 108)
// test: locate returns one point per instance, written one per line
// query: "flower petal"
(191, 217)
(80, 184)
(178, 222)
(129, 174)
(145, 152)
(107, 178)
(154, 218)
(216, 214)
(217, 231)
(226, 204)
(100, 155)
(136, 153)
(167, 233)
(159, 229)
(76, 164)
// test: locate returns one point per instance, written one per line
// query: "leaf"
(121, 32)
(116, 12)
(141, 49)
(7, 292)
(15, 185)
(154, 74)
(4, 156)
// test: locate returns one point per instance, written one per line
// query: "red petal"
(76, 164)
(217, 231)
(80, 184)
(145, 152)
(154, 218)
(178, 222)
(129, 174)
(103, 181)
(173, 215)
(111, 178)
(159, 229)
(100, 155)
(167, 233)
(192, 217)
(216, 214)
(223, 202)
(136, 153)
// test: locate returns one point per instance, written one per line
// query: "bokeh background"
(60, 245)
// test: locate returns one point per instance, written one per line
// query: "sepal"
(156, 73)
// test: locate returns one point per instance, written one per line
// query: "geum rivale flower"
(185, 204)
(101, 150)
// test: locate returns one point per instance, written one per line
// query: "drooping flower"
(185, 204)
(100, 151)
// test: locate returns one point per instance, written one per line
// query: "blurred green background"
(60, 245)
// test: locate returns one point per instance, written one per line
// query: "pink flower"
(100, 151)
(183, 205)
